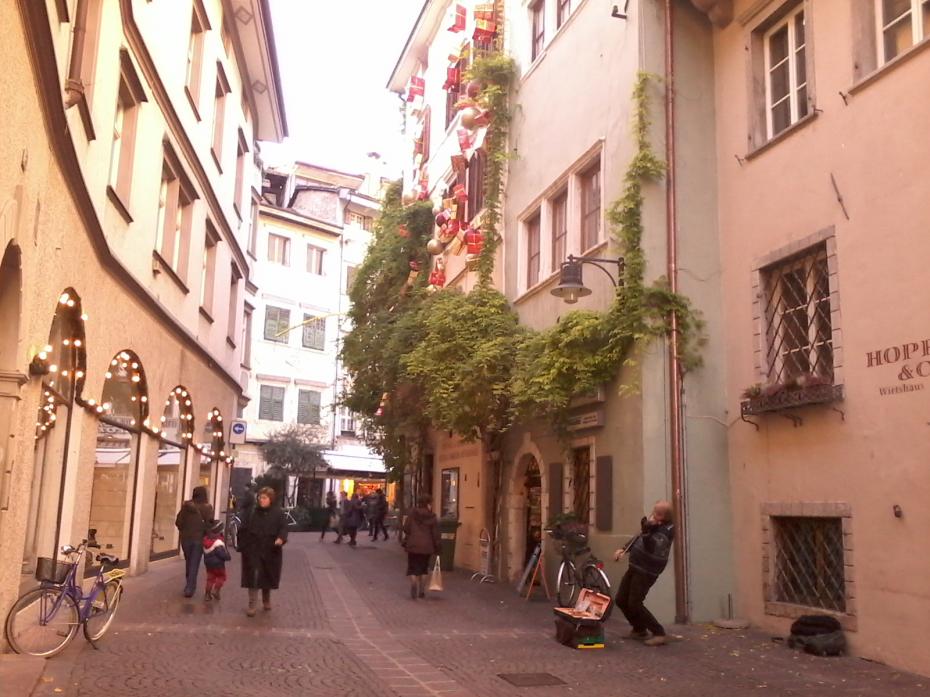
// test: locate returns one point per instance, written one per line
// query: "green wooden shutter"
(604, 493)
(271, 323)
(264, 402)
(277, 404)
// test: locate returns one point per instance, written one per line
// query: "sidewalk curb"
(19, 675)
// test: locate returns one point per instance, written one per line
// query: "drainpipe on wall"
(74, 86)
(345, 195)
(680, 547)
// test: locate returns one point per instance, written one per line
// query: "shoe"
(250, 612)
(216, 593)
(422, 594)
(188, 594)
(658, 640)
(353, 543)
(638, 636)
(337, 542)
(207, 596)
(266, 607)
(413, 592)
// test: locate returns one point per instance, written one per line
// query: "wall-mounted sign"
(237, 431)
(588, 419)
(910, 361)
(595, 396)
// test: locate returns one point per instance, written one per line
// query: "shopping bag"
(435, 578)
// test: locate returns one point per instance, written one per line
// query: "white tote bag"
(435, 578)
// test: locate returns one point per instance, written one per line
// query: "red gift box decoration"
(461, 196)
(474, 241)
(466, 141)
(458, 23)
(485, 24)
(416, 89)
(437, 278)
(453, 77)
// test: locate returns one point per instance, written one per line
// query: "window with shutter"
(277, 322)
(308, 407)
(314, 332)
(271, 403)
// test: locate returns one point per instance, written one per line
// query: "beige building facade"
(130, 142)
(823, 160)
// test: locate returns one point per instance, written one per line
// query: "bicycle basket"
(52, 570)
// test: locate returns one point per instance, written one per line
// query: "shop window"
(449, 500)
(176, 431)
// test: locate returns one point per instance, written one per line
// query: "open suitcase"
(582, 626)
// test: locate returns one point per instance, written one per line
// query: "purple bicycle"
(44, 620)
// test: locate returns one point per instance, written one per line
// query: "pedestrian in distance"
(261, 539)
(343, 512)
(215, 556)
(192, 521)
(379, 514)
(648, 554)
(352, 519)
(332, 514)
(421, 541)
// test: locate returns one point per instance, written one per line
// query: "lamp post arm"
(598, 262)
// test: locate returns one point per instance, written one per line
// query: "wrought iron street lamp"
(571, 284)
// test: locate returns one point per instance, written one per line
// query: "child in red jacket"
(215, 556)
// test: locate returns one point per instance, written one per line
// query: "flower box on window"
(770, 398)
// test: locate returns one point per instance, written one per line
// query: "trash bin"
(448, 530)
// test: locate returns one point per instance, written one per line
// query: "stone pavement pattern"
(343, 626)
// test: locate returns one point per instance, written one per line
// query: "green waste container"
(448, 531)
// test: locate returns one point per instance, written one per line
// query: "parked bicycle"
(233, 524)
(573, 576)
(43, 621)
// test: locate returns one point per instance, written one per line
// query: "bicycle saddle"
(107, 558)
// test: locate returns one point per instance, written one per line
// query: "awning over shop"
(348, 465)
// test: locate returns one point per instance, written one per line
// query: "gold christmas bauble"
(470, 117)
(434, 247)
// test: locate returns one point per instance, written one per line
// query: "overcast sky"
(336, 57)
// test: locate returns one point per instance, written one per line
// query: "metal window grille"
(798, 326)
(277, 322)
(809, 562)
(314, 332)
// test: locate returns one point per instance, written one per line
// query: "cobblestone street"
(343, 626)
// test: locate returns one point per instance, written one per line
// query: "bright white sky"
(336, 57)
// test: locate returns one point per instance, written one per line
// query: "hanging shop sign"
(586, 420)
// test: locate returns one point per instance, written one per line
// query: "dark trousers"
(345, 530)
(193, 555)
(633, 590)
(378, 525)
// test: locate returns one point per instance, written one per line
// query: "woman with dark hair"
(421, 540)
(192, 522)
(261, 537)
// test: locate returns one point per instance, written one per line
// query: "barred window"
(809, 566)
(271, 403)
(308, 407)
(277, 322)
(798, 325)
(314, 334)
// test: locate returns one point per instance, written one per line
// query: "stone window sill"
(206, 314)
(160, 264)
(192, 101)
(118, 203)
(848, 621)
(883, 70)
(775, 140)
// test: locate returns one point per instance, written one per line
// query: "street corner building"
(130, 134)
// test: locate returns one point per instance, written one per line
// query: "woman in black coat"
(261, 538)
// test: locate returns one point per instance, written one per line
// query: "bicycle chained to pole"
(44, 620)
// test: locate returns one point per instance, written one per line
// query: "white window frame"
(792, 59)
(285, 244)
(917, 28)
(317, 254)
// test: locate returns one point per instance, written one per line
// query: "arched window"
(123, 412)
(176, 430)
(63, 361)
(212, 448)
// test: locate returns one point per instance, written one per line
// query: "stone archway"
(11, 365)
(519, 503)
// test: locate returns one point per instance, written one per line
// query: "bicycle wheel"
(232, 535)
(42, 622)
(104, 610)
(596, 580)
(566, 584)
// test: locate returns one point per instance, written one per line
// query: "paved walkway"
(343, 626)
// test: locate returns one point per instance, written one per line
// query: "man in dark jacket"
(192, 522)
(379, 509)
(648, 553)
(421, 541)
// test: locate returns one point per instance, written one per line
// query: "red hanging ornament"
(458, 19)
(485, 24)
(474, 241)
(416, 89)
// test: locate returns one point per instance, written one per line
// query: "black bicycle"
(573, 576)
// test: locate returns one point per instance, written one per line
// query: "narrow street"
(343, 626)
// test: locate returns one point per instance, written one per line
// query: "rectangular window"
(129, 96)
(809, 562)
(351, 273)
(474, 185)
(84, 49)
(247, 338)
(277, 322)
(591, 207)
(797, 316)
(559, 230)
(271, 403)
(234, 277)
(901, 24)
(786, 72)
(455, 90)
(253, 230)
(242, 153)
(208, 268)
(219, 116)
(347, 421)
(315, 256)
(308, 407)
(581, 484)
(538, 28)
(563, 12)
(362, 221)
(174, 218)
(314, 332)
(194, 73)
(279, 249)
(449, 500)
(532, 251)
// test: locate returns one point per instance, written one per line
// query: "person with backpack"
(649, 552)
(192, 522)
(215, 556)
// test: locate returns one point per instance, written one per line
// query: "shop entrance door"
(533, 496)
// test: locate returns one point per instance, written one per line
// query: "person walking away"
(261, 540)
(648, 553)
(215, 556)
(421, 541)
(352, 520)
(379, 513)
(343, 512)
(332, 514)
(192, 521)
